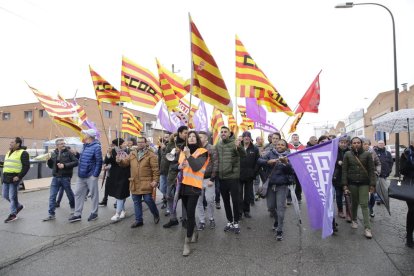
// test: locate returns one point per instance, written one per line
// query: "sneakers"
(279, 236)
(218, 205)
(19, 209)
(371, 213)
(156, 219)
(229, 227)
(236, 228)
(10, 218)
(93, 217)
(368, 233)
(172, 222)
(137, 224)
(341, 215)
(201, 227)
(49, 217)
(212, 224)
(122, 215)
(116, 217)
(103, 203)
(354, 225)
(74, 218)
(167, 213)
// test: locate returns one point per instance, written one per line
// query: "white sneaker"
(115, 217)
(354, 225)
(122, 215)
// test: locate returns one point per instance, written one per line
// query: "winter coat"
(117, 181)
(248, 164)
(212, 167)
(280, 174)
(377, 162)
(144, 171)
(353, 173)
(385, 158)
(337, 175)
(407, 163)
(229, 158)
(173, 165)
(67, 158)
(90, 161)
(163, 163)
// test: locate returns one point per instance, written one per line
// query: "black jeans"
(410, 220)
(339, 192)
(230, 187)
(245, 195)
(217, 184)
(190, 203)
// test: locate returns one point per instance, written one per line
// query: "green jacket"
(229, 158)
(353, 173)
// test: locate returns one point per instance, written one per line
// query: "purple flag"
(170, 123)
(265, 127)
(254, 111)
(200, 118)
(314, 167)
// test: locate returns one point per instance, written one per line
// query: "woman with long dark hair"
(193, 162)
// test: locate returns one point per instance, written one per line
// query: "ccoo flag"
(130, 124)
(206, 74)
(310, 101)
(104, 91)
(314, 168)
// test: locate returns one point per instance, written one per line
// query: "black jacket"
(407, 163)
(67, 158)
(386, 161)
(117, 181)
(25, 159)
(337, 176)
(248, 164)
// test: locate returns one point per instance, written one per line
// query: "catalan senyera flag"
(130, 124)
(216, 123)
(232, 124)
(251, 82)
(81, 113)
(206, 74)
(170, 99)
(247, 123)
(138, 85)
(55, 107)
(169, 80)
(69, 123)
(104, 91)
(310, 101)
(295, 122)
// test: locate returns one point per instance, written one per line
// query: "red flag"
(310, 101)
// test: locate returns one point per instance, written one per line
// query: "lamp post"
(397, 135)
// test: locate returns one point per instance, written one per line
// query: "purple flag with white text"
(255, 111)
(170, 123)
(200, 118)
(314, 168)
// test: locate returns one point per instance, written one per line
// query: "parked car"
(391, 148)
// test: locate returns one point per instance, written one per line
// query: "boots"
(194, 238)
(186, 250)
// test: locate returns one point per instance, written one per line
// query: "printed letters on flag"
(314, 168)
(138, 85)
(104, 91)
(310, 101)
(130, 124)
(169, 122)
(206, 74)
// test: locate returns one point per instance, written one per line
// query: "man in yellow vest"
(16, 165)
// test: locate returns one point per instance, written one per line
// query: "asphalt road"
(29, 246)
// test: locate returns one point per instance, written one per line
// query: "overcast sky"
(50, 43)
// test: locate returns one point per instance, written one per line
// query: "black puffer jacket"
(386, 161)
(67, 158)
(407, 163)
(352, 171)
(248, 164)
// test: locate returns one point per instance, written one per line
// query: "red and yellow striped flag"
(247, 123)
(54, 107)
(251, 82)
(81, 113)
(130, 124)
(206, 74)
(216, 124)
(69, 123)
(170, 98)
(104, 91)
(138, 85)
(171, 81)
(296, 122)
(232, 123)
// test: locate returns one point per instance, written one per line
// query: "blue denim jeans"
(163, 184)
(9, 192)
(57, 183)
(138, 206)
(120, 205)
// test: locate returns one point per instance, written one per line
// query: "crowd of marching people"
(186, 167)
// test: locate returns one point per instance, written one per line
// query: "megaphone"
(171, 155)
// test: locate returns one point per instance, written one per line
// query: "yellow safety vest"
(12, 162)
(191, 177)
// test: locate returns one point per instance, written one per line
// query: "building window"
(42, 113)
(28, 115)
(138, 118)
(6, 116)
(148, 126)
(108, 113)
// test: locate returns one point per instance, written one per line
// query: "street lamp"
(397, 135)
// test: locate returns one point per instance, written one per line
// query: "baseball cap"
(90, 132)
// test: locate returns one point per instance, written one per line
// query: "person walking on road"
(358, 178)
(343, 147)
(16, 165)
(90, 165)
(145, 176)
(229, 152)
(377, 170)
(61, 161)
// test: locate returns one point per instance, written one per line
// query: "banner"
(169, 122)
(254, 111)
(200, 118)
(265, 127)
(314, 168)
(310, 101)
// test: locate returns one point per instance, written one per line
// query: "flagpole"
(192, 71)
(103, 124)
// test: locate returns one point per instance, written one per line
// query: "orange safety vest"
(191, 177)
